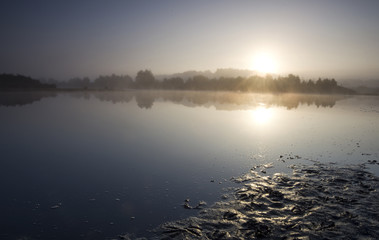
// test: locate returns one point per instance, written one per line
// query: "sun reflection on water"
(262, 114)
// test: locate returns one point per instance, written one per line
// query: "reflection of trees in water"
(293, 101)
(224, 100)
(235, 101)
(145, 99)
(23, 98)
(106, 96)
(80, 95)
(114, 97)
(218, 100)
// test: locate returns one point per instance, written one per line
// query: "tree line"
(11, 82)
(268, 83)
(146, 80)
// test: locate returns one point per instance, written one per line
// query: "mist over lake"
(92, 165)
(189, 120)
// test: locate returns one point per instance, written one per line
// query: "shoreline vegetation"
(9, 82)
(146, 80)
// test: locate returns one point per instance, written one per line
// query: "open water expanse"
(94, 165)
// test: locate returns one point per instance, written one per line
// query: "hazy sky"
(63, 39)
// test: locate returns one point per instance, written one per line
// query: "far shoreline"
(9, 90)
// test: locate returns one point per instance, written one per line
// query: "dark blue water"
(95, 165)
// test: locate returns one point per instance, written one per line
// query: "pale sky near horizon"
(64, 39)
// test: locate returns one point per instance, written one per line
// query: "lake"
(92, 165)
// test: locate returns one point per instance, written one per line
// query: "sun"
(264, 63)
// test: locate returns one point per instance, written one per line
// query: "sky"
(65, 39)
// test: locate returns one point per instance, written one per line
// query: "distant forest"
(146, 80)
(11, 82)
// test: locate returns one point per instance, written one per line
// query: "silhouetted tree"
(83, 83)
(172, 83)
(145, 79)
(10, 81)
(113, 82)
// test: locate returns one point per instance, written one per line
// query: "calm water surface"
(96, 164)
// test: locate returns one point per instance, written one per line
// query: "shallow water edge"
(320, 201)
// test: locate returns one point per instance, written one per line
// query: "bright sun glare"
(262, 114)
(264, 63)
